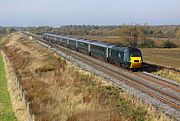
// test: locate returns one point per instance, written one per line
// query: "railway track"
(162, 82)
(134, 83)
(164, 91)
(163, 79)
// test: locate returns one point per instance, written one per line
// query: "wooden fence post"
(21, 93)
(33, 117)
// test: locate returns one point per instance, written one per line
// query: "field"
(164, 57)
(6, 111)
(57, 90)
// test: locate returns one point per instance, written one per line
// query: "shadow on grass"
(154, 68)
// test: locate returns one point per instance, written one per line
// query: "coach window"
(119, 55)
(110, 52)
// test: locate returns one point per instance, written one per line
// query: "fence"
(22, 92)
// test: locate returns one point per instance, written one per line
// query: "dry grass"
(58, 91)
(165, 57)
(169, 58)
(170, 74)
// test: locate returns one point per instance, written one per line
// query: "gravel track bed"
(143, 96)
(169, 85)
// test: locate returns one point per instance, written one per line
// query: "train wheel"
(116, 63)
(107, 60)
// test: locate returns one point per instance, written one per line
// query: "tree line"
(7, 30)
(135, 35)
(166, 31)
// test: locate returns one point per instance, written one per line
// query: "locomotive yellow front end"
(136, 62)
(135, 58)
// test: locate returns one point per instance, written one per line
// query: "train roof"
(64, 37)
(59, 36)
(102, 44)
(119, 47)
(94, 42)
(84, 40)
(73, 39)
(50, 34)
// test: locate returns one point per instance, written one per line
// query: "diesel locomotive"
(126, 57)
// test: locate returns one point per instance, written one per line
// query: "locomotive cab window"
(135, 53)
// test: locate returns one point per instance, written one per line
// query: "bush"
(148, 44)
(169, 44)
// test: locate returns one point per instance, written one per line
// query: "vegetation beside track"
(6, 111)
(169, 74)
(59, 91)
(164, 57)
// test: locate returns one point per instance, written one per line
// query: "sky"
(88, 12)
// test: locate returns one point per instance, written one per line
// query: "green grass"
(6, 111)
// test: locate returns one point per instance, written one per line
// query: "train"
(125, 57)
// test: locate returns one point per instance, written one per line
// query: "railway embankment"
(58, 90)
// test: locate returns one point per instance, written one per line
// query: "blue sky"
(88, 12)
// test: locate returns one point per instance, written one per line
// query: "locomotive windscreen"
(135, 53)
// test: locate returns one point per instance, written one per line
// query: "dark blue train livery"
(127, 57)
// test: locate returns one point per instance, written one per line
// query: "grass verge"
(166, 58)
(170, 74)
(6, 111)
